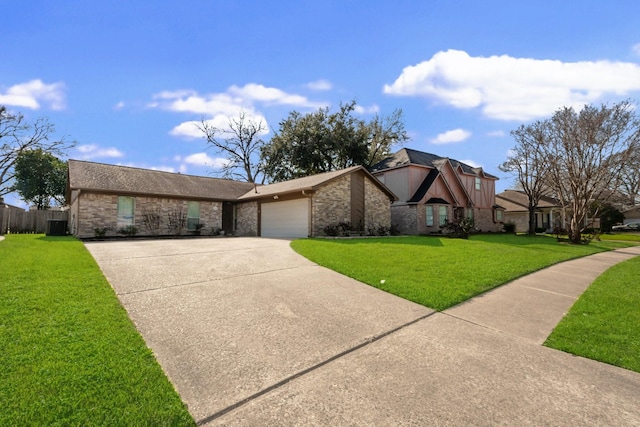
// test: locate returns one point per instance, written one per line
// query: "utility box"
(56, 227)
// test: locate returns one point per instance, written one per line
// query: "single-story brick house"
(111, 197)
(432, 190)
(631, 215)
(548, 213)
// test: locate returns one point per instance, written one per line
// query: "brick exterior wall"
(405, 218)
(330, 205)
(93, 210)
(412, 219)
(377, 206)
(484, 220)
(520, 219)
(247, 219)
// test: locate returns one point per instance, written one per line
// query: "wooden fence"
(17, 220)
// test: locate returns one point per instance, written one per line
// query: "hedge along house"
(433, 189)
(112, 197)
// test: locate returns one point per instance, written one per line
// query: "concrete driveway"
(250, 333)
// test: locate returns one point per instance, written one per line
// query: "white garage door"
(285, 219)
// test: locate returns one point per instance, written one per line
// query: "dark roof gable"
(407, 156)
(424, 187)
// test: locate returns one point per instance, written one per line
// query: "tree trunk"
(575, 235)
(532, 220)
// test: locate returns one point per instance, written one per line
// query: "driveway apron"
(250, 333)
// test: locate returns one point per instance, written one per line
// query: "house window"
(193, 215)
(429, 216)
(125, 211)
(499, 215)
(478, 183)
(442, 215)
(469, 213)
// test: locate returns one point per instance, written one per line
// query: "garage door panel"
(285, 219)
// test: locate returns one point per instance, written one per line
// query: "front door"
(228, 209)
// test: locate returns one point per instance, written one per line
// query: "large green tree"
(40, 177)
(322, 141)
(18, 135)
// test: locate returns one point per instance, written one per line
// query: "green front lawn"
(627, 237)
(69, 355)
(604, 324)
(440, 272)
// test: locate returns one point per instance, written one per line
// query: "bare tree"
(528, 163)
(241, 145)
(18, 136)
(630, 183)
(586, 153)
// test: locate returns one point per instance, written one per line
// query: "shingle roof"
(515, 201)
(308, 183)
(101, 177)
(407, 156)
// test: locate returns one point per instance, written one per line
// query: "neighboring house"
(516, 204)
(433, 189)
(108, 196)
(632, 215)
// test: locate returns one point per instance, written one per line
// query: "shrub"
(331, 230)
(197, 228)
(460, 228)
(129, 230)
(345, 228)
(509, 227)
(176, 220)
(151, 220)
(100, 231)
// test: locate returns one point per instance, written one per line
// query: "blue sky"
(127, 79)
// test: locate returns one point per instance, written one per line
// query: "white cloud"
(192, 102)
(472, 163)
(34, 92)
(229, 103)
(320, 85)
(92, 151)
(255, 92)
(451, 136)
(190, 129)
(636, 49)
(508, 88)
(372, 109)
(203, 159)
(119, 106)
(496, 133)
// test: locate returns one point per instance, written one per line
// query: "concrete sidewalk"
(530, 307)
